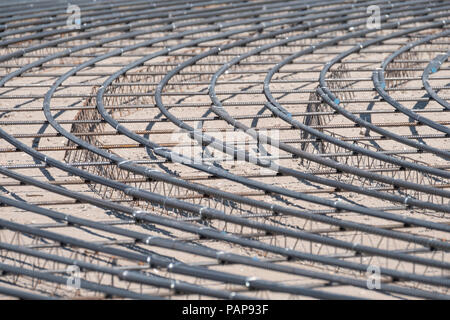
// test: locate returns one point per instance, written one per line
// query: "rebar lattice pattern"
(224, 149)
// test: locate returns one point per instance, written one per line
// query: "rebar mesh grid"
(224, 149)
